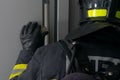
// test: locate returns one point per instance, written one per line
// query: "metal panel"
(74, 14)
(62, 18)
(58, 19)
(46, 18)
(51, 21)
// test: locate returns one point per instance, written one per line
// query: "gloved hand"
(32, 36)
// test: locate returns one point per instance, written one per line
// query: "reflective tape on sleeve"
(18, 70)
(14, 75)
(20, 66)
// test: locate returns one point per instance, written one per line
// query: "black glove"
(32, 36)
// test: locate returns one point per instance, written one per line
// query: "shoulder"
(49, 51)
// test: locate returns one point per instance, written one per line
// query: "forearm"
(21, 63)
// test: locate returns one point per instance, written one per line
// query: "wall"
(13, 15)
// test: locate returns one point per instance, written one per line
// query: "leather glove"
(32, 36)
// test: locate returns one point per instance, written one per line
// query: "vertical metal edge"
(42, 12)
(58, 19)
(55, 20)
(46, 18)
(52, 21)
(62, 18)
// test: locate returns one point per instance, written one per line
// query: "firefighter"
(92, 49)
(99, 23)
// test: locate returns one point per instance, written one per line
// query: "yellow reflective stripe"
(117, 15)
(17, 70)
(20, 66)
(97, 13)
(14, 75)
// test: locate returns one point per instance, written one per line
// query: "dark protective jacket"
(98, 41)
(21, 63)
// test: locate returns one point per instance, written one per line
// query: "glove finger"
(37, 30)
(27, 28)
(33, 27)
(22, 31)
(45, 33)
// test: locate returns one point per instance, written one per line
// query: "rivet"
(110, 73)
(74, 42)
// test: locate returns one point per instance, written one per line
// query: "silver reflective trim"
(67, 63)
(100, 58)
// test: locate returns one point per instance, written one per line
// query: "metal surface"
(74, 15)
(59, 19)
(46, 18)
(62, 18)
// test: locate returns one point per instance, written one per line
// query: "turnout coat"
(99, 45)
